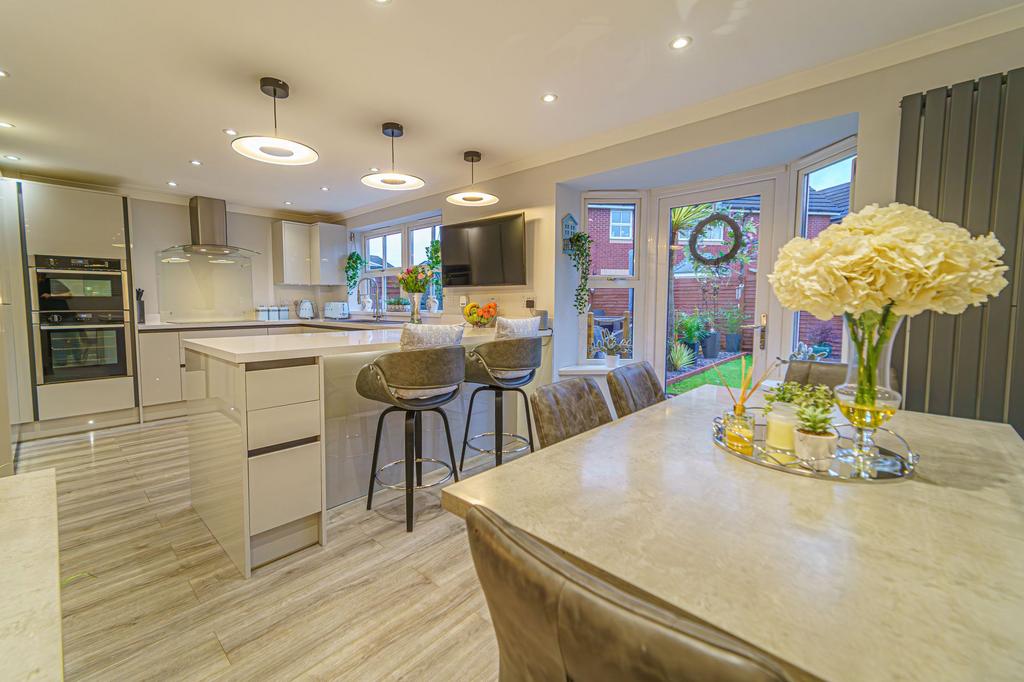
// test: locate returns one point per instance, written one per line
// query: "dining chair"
(828, 373)
(634, 387)
(555, 620)
(567, 408)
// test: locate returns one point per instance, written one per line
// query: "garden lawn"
(730, 371)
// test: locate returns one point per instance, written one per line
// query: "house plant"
(579, 254)
(712, 341)
(690, 328)
(733, 318)
(815, 439)
(414, 281)
(612, 348)
(398, 304)
(681, 356)
(353, 268)
(874, 268)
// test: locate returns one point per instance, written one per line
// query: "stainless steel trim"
(37, 337)
(48, 327)
(128, 350)
(125, 305)
(33, 288)
(118, 273)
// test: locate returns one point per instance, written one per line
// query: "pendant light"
(472, 197)
(276, 150)
(392, 180)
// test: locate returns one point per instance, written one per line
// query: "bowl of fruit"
(480, 315)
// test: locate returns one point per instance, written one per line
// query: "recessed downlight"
(196, 162)
(12, 157)
(172, 183)
(324, 189)
(5, 124)
(375, 170)
(549, 97)
(287, 203)
(4, 74)
(382, 2)
(230, 131)
(681, 42)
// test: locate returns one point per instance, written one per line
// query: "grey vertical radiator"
(961, 157)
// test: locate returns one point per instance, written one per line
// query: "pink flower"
(421, 276)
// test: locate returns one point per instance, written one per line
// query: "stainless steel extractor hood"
(208, 220)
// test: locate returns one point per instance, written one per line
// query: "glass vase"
(414, 314)
(739, 432)
(866, 398)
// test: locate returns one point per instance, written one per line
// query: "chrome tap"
(377, 314)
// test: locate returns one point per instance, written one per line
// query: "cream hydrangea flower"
(898, 254)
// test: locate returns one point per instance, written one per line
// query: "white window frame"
(405, 229)
(612, 225)
(619, 281)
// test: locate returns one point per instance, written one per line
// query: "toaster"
(336, 310)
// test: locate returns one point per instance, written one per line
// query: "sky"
(833, 175)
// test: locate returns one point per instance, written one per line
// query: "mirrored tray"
(895, 461)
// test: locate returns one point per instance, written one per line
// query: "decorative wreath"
(698, 232)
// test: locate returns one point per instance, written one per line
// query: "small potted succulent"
(732, 321)
(613, 349)
(815, 439)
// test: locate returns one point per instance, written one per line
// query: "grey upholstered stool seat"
(568, 408)
(634, 387)
(395, 378)
(829, 373)
(500, 366)
(555, 620)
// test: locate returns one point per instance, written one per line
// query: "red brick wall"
(606, 254)
(809, 326)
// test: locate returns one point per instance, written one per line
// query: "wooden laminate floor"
(149, 594)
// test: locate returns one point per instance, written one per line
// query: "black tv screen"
(489, 252)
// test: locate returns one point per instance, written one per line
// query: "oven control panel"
(69, 319)
(78, 263)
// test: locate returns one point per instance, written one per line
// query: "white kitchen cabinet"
(159, 368)
(64, 221)
(309, 254)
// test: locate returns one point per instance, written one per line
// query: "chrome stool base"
(418, 486)
(514, 437)
(499, 450)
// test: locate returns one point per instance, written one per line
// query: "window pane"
(611, 316)
(420, 239)
(826, 194)
(375, 253)
(610, 227)
(393, 250)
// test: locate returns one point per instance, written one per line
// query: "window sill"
(592, 369)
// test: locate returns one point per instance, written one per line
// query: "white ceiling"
(124, 93)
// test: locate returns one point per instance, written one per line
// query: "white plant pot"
(816, 450)
(611, 360)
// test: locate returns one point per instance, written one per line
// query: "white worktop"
(245, 349)
(30, 613)
(357, 323)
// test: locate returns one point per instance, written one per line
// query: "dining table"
(915, 579)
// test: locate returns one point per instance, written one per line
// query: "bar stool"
(412, 382)
(505, 365)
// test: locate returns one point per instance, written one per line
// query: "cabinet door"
(159, 368)
(329, 244)
(291, 243)
(62, 221)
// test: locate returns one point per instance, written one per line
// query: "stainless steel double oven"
(80, 319)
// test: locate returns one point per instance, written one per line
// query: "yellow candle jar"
(739, 432)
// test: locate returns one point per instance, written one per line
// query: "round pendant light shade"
(392, 180)
(472, 197)
(277, 150)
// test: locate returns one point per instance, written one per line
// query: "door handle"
(763, 327)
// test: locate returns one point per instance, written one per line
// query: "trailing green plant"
(733, 318)
(681, 356)
(690, 327)
(610, 345)
(353, 268)
(579, 254)
(815, 419)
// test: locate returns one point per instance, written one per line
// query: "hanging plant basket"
(579, 254)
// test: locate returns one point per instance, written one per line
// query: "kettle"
(305, 309)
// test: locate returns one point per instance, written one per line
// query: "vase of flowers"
(414, 281)
(874, 268)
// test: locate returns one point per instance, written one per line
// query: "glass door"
(713, 301)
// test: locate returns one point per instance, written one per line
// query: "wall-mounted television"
(482, 253)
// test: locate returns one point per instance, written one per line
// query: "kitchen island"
(278, 434)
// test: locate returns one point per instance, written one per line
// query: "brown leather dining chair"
(555, 621)
(634, 387)
(567, 408)
(828, 373)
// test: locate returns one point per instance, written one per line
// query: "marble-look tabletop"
(244, 349)
(920, 579)
(30, 625)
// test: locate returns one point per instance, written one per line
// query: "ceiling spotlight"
(375, 170)
(287, 203)
(5, 124)
(196, 162)
(172, 183)
(393, 180)
(382, 2)
(4, 74)
(471, 197)
(230, 131)
(681, 42)
(12, 157)
(324, 189)
(549, 97)
(276, 150)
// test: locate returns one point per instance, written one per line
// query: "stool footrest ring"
(376, 474)
(523, 446)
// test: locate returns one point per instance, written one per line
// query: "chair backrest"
(829, 373)
(568, 408)
(511, 354)
(634, 387)
(555, 621)
(423, 368)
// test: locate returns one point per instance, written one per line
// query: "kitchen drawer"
(281, 386)
(277, 425)
(284, 486)
(216, 334)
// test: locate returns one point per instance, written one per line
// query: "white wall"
(873, 96)
(156, 226)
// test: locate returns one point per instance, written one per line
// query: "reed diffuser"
(738, 425)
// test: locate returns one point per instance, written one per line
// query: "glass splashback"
(204, 288)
